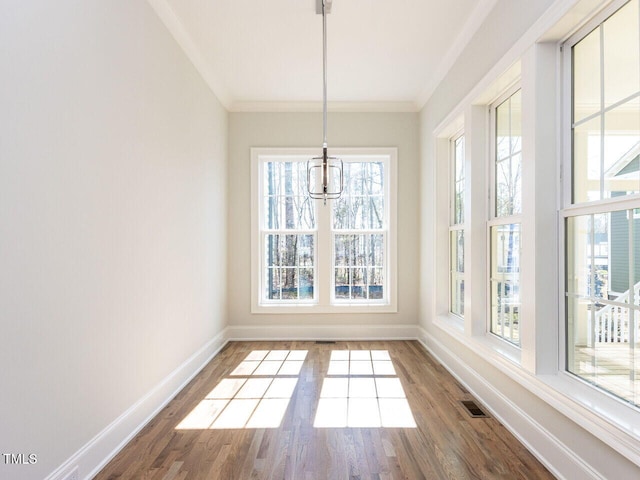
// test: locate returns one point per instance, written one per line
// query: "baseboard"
(561, 461)
(556, 456)
(100, 450)
(323, 332)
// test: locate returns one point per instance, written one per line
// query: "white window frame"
(494, 220)
(607, 401)
(538, 365)
(453, 226)
(324, 280)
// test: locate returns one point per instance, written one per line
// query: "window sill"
(614, 421)
(453, 324)
(481, 344)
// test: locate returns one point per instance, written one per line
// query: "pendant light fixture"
(325, 175)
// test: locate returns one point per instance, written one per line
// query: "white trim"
(322, 332)
(471, 26)
(594, 21)
(558, 457)
(102, 448)
(363, 107)
(627, 202)
(539, 31)
(501, 73)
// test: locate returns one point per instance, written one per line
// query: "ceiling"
(267, 54)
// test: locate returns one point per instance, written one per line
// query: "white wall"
(248, 130)
(112, 224)
(558, 429)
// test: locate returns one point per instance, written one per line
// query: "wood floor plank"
(446, 442)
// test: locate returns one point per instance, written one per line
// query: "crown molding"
(473, 23)
(176, 29)
(368, 107)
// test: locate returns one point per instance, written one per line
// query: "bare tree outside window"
(289, 254)
(456, 227)
(505, 228)
(359, 243)
(323, 255)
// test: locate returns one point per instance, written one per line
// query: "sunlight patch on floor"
(362, 391)
(256, 394)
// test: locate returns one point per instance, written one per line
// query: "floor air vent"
(325, 342)
(474, 410)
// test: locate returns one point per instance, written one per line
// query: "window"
(288, 232)
(602, 229)
(324, 256)
(456, 227)
(359, 231)
(504, 223)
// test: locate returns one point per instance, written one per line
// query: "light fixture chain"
(324, 165)
(324, 73)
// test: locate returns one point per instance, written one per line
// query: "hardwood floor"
(356, 425)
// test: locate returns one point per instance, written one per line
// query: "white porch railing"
(612, 321)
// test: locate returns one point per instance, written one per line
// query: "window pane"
(343, 248)
(621, 65)
(291, 213)
(458, 181)
(457, 251)
(505, 281)
(359, 250)
(289, 283)
(508, 145)
(361, 205)
(603, 272)
(289, 250)
(286, 202)
(508, 186)
(503, 130)
(600, 348)
(600, 250)
(457, 296)
(273, 284)
(515, 140)
(457, 272)
(603, 249)
(621, 150)
(289, 260)
(579, 254)
(606, 147)
(359, 213)
(342, 283)
(355, 283)
(358, 286)
(358, 270)
(376, 283)
(306, 283)
(586, 76)
(586, 161)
